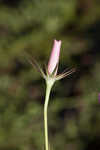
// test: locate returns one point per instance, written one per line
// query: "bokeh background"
(27, 29)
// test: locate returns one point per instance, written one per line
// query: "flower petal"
(54, 58)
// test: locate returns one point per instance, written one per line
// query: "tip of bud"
(57, 41)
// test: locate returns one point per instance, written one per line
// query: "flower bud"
(54, 58)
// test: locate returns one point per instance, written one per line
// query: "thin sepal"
(53, 74)
(55, 71)
(37, 66)
(65, 74)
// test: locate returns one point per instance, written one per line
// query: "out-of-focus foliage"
(27, 28)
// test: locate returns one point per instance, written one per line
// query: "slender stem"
(48, 90)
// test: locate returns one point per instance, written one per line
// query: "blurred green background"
(28, 28)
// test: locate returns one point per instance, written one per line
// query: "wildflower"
(52, 68)
(50, 76)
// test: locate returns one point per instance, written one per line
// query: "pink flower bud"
(54, 58)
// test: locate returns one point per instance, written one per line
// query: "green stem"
(48, 90)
